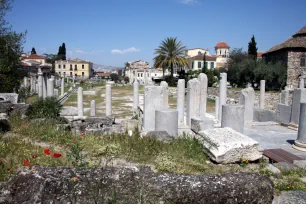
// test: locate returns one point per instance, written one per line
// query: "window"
(303, 61)
(199, 64)
(64, 74)
(82, 66)
(212, 65)
(138, 74)
(192, 65)
(141, 75)
(199, 52)
(64, 66)
(59, 73)
(75, 67)
(71, 67)
(59, 66)
(70, 73)
(220, 52)
(206, 65)
(83, 74)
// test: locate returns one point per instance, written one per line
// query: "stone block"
(192, 100)
(224, 145)
(299, 96)
(233, 117)
(12, 97)
(131, 124)
(198, 124)
(167, 120)
(283, 113)
(247, 98)
(161, 136)
(262, 115)
(153, 100)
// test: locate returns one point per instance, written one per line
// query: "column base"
(299, 146)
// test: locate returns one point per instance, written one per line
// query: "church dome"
(222, 45)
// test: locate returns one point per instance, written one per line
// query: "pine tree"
(252, 51)
(33, 51)
(59, 53)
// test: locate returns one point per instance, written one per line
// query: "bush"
(23, 94)
(172, 81)
(114, 77)
(45, 108)
(126, 79)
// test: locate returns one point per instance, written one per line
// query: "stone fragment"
(161, 136)
(92, 108)
(300, 163)
(136, 96)
(224, 145)
(198, 124)
(217, 107)
(63, 87)
(50, 88)
(284, 97)
(284, 166)
(262, 115)
(283, 113)
(273, 169)
(290, 197)
(131, 184)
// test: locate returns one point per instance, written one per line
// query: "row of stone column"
(108, 101)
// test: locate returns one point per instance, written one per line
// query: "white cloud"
(80, 51)
(189, 2)
(131, 49)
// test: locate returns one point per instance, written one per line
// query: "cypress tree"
(63, 52)
(33, 51)
(204, 69)
(252, 49)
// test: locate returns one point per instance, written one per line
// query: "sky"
(112, 32)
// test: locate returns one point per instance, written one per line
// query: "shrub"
(172, 81)
(24, 93)
(114, 77)
(45, 108)
(126, 79)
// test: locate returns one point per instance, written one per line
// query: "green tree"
(114, 77)
(252, 49)
(10, 50)
(33, 51)
(170, 53)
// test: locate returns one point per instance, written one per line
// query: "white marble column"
(40, 84)
(80, 102)
(262, 94)
(217, 107)
(45, 84)
(193, 100)
(203, 94)
(222, 93)
(93, 108)
(180, 100)
(25, 82)
(63, 86)
(165, 94)
(136, 96)
(108, 98)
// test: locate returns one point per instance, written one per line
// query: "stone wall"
(294, 68)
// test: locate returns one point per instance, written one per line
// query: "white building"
(139, 70)
(195, 57)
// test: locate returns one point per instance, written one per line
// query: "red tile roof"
(102, 74)
(208, 57)
(35, 56)
(259, 54)
(222, 44)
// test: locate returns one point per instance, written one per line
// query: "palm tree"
(125, 66)
(170, 53)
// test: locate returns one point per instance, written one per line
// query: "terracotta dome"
(222, 44)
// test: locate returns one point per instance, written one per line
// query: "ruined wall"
(294, 68)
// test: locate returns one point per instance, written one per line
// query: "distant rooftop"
(76, 60)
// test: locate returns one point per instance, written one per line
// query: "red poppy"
(34, 156)
(26, 162)
(74, 140)
(56, 155)
(9, 169)
(83, 134)
(47, 151)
